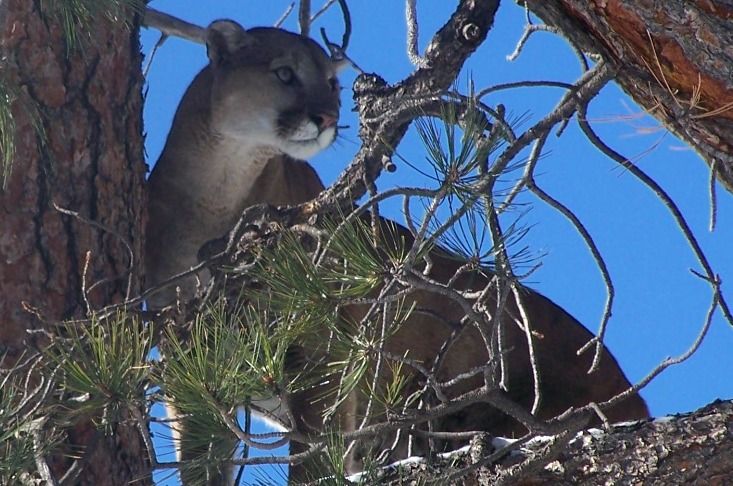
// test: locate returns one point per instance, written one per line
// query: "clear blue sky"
(660, 306)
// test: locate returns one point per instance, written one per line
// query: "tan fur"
(212, 164)
(557, 336)
(207, 175)
(231, 147)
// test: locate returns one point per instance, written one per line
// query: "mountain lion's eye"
(285, 74)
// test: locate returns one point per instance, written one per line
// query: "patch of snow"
(395, 465)
(499, 442)
(661, 420)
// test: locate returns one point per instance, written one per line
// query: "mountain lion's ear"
(224, 38)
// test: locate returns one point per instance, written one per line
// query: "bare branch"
(531, 28)
(668, 202)
(304, 17)
(285, 15)
(172, 26)
(412, 35)
(322, 10)
(713, 195)
(672, 361)
(131, 255)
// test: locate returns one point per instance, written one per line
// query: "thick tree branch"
(695, 448)
(673, 61)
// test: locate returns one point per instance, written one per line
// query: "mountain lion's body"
(269, 98)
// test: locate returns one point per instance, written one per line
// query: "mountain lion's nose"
(324, 120)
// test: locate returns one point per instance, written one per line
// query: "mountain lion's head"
(272, 86)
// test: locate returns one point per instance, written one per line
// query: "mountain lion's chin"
(305, 149)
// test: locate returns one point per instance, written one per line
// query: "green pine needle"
(7, 133)
(16, 442)
(459, 154)
(214, 368)
(103, 364)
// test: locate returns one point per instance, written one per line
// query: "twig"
(412, 35)
(531, 28)
(84, 273)
(430, 211)
(523, 84)
(244, 437)
(469, 434)
(285, 15)
(495, 398)
(292, 459)
(41, 464)
(468, 374)
(671, 361)
(304, 17)
(713, 195)
(504, 268)
(161, 40)
(527, 328)
(131, 255)
(528, 180)
(338, 52)
(347, 25)
(415, 364)
(604, 420)
(72, 473)
(145, 434)
(527, 177)
(601, 265)
(709, 275)
(377, 375)
(322, 10)
(363, 208)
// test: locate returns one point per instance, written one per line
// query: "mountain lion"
(268, 99)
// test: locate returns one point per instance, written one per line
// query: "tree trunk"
(669, 52)
(78, 146)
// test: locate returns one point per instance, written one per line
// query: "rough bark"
(78, 142)
(695, 448)
(666, 51)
